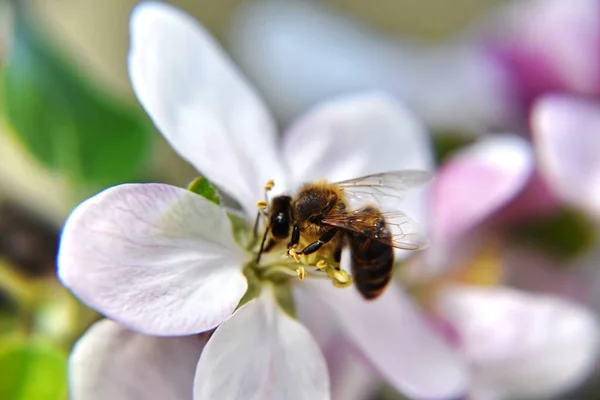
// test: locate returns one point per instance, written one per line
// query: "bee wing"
(383, 187)
(405, 233)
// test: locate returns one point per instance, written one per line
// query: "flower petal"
(522, 345)
(396, 340)
(260, 352)
(354, 136)
(156, 258)
(359, 135)
(477, 182)
(299, 53)
(200, 102)
(570, 64)
(111, 363)
(352, 378)
(567, 140)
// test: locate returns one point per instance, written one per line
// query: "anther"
(322, 265)
(262, 204)
(342, 284)
(341, 276)
(292, 253)
(301, 273)
(269, 185)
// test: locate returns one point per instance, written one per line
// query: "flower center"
(280, 259)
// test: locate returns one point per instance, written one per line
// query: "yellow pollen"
(262, 204)
(341, 276)
(342, 284)
(301, 273)
(292, 253)
(269, 185)
(322, 265)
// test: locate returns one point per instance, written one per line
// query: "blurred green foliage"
(564, 235)
(68, 125)
(31, 370)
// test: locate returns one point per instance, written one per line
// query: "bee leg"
(295, 237)
(314, 246)
(337, 253)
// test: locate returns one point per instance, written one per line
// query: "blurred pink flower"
(164, 261)
(549, 45)
(470, 190)
(520, 345)
(566, 135)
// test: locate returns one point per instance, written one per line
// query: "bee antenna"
(262, 246)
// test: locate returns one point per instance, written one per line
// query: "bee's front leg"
(314, 246)
(295, 237)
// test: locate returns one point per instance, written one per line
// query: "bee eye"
(314, 220)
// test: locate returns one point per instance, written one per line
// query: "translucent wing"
(393, 228)
(384, 187)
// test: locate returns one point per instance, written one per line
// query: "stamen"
(268, 272)
(262, 204)
(301, 273)
(269, 185)
(321, 265)
(292, 253)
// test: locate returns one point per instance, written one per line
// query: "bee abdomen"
(372, 265)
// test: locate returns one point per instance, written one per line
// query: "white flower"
(521, 345)
(111, 362)
(565, 132)
(162, 260)
(299, 53)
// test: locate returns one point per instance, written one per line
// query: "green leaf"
(32, 371)
(68, 125)
(202, 186)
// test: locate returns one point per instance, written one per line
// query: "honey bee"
(330, 216)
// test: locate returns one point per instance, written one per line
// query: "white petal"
(200, 102)
(111, 363)
(566, 136)
(156, 258)
(477, 182)
(522, 345)
(396, 340)
(261, 353)
(352, 377)
(300, 53)
(359, 135)
(353, 136)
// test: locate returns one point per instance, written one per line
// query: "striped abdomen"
(372, 263)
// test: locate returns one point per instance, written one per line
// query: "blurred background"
(469, 69)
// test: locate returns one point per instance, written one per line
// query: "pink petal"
(568, 144)
(522, 345)
(156, 258)
(477, 182)
(111, 363)
(201, 103)
(396, 340)
(261, 353)
(551, 45)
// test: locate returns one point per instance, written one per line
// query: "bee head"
(280, 217)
